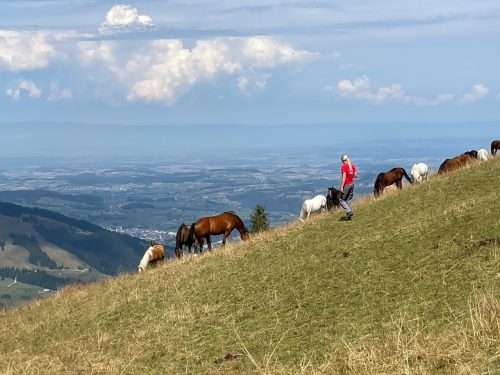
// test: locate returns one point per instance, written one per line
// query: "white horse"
(483, 155)
(312, 205)
(152, 255)
(419, 172)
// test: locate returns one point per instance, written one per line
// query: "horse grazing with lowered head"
(214, 225)
(332, 199)
(394, 176)
(318, 203)
(181, 240)
(455, 163)
(419, 172)
(483, 155)
(153, 254)
(495, 146)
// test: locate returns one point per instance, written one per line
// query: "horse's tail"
(376, 185)
(303, 211)
(190, 238)
(406, 176)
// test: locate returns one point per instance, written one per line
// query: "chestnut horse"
(181, 239)
(153, 254)
(495, 146)
(220, 224)
(455, 163)
(394, 176)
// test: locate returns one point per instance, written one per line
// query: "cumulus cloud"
(25, 50)
(27, 86)
(163, 70)
(125, 18)
(360, 89)
(478, 92)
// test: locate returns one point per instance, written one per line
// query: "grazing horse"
(333, 198)
(495, 146)
(483, 155)
(152, 255)
(455, 163)
(419, 172)
(394, 176)
(181, 239)
(318, 203)
(471, 153)
(220, 224)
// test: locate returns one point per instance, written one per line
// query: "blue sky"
(249, 62)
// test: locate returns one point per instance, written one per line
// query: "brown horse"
(495, 146)
(220, 224)
(181, 239)
(394, 176)
(455, 163)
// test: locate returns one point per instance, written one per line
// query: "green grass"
(405, 288)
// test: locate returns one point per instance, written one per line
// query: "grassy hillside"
(410, 286)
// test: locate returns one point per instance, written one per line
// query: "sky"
(249, 62)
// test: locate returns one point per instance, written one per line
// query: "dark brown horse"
(333, 198)
(495, 146)
(214, 225)
(394, 176)
(181, 240)
(455, 163)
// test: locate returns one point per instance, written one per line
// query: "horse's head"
(245, 235)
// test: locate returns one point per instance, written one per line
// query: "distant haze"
(70, 141)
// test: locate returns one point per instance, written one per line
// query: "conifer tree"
(259, 219)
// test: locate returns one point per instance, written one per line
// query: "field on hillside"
(410, 286)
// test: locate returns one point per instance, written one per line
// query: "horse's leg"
(226, 235)
(399, 183)
(209, 242)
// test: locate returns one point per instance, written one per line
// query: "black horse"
(495, 146)
(332, 199)
(394, 176)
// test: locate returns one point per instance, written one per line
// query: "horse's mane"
(244, 228)
(406, 176)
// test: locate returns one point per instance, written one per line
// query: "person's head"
(344, 158)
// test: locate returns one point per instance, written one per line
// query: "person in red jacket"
(349, 173)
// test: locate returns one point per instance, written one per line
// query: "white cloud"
(360, 89)
(478, 92)
(56, 93)
(25, 85)
(252, 81)
(123, 18)
(25, 50)
(163, 70)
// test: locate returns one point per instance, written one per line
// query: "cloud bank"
(164, 70)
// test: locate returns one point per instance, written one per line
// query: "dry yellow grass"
(407, 287)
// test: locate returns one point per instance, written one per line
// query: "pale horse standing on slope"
(419, 172)
(312, 205)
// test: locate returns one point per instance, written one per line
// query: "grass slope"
(405, 288)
